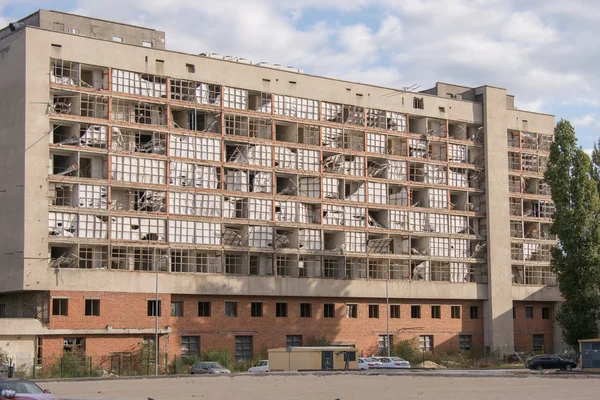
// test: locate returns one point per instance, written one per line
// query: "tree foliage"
(576, 259)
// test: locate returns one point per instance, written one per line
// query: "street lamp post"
(156, 312)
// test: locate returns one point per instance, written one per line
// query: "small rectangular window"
(117, 39)
(415, 312)
(545, 312)
(455, 312)
(351, 310)
(395, 311)
(528, 312)
(177, 309)
(243, 348)
(204, 308)
(329, 310)
(231, 309)
(426, 342)
(538, 343)
(60, 307)
(147, 44)
(436, 312)
(74, 31)
(256, 309)
(373, 311)
(153, 309)
(190, 346)
(281, 310)
(92, 307)
(58, 26)
(191, 68)
(418, 103)
(465, 342)
(305, 310)
(474, 312)
(293, 341)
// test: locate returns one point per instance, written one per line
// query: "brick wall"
(129, 311)
(525, 328)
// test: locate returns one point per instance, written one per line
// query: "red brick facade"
(526, 325)
(130, 311)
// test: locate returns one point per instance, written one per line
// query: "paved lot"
(447, 385)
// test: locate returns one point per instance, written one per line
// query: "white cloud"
(586, 120)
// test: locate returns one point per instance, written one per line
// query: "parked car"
(548, 361)
(393, 362)
(260, 366)
(368, 363)
(25, 389)
(209, 367)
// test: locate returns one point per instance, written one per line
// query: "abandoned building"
(267, 206)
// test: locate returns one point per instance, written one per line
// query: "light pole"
(387, 311)
(156, 312)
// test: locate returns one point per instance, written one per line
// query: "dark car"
(548, 361)
(25, 389)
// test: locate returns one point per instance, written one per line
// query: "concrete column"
(498, 324)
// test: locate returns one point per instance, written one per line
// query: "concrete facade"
(257, 183)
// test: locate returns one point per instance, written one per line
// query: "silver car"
(209, 367)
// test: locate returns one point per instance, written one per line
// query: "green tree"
(576, 258)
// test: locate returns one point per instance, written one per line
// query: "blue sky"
(542, 51)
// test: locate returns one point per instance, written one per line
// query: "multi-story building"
(265, 205)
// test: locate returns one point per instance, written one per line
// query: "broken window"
(286, 265)
(296, 107)
(138, 258)
(376, 143)
(93, 257)
(139, 84)
(133, 140)
(376, 119)
(331, 112)
(196, 120)
(94, 106)
(138, 112)
(418, 103)
(74, 345)
(127, 228)
(249, 154)
(64, 72)
(196, 92)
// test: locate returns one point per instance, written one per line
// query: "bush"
(407, 350)
(70, 365)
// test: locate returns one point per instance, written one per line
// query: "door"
(327, 360)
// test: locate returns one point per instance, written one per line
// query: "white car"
(393, 362)
(261, 366)
(368, 362)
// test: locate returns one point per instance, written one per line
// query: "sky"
(544, 52)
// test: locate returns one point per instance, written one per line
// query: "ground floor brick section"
(109, 327)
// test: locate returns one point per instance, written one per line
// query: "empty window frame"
(305, 310)
(415, 312)
(373, 310)
(139, 84)
(281, 310)
(474, 312)
(528, 312)
(538, 343)
(93, 257)
(139, 141)
(195, 92)
(545, 312)
(148, 201)
(331, 112)
(154, 308)
(328, 310)
(94, 106)
(395, 311)
(64, 72)
(92, 307)
(204, 308)
(127, 228)
(436, 312)
(195, 147)
(138, 112)
(455, 312)
(231, 309)
(256, 309)
(138, 258)
(243, 350)
(60, 307)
